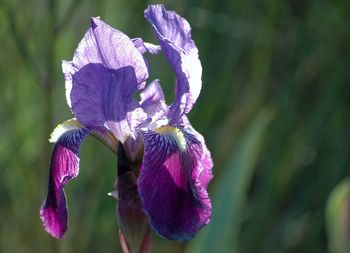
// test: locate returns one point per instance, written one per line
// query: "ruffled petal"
(109, 47)
(171, 185)
(144, 47)
(174, 35)
(64, 167)
(103, 98)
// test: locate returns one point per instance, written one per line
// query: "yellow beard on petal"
(67, 125)
(175, 134)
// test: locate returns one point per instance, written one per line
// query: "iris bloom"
(172, 161)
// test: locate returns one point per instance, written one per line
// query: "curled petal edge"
(174, 35)
(64, 166)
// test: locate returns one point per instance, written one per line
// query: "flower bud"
(134, 228)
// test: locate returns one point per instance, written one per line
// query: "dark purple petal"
(144, 47)
(109, 47)
(174, 35)
(207, 162)
(64, 167)
(103, 98)
(172, 182)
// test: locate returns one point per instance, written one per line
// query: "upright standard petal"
(171, 185)
(152, 98)
(153, 103)
(103, 98)
(174, 35)
(64, 167)
(109, 47)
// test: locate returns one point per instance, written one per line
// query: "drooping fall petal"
(171, 185)
(64, 166)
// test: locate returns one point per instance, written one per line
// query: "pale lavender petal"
(144, 47)
(153, 103)
(103, 98)
(109, 47)
(152, 98)
(174, 35)
(64, 167)
(106, 45)
(171, 185)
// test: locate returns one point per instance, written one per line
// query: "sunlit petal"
(174, 35)
(144, 47)
(105, 45)
(103, 98)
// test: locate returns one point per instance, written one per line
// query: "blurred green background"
(274, 110)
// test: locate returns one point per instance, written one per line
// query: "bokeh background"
(274, 110)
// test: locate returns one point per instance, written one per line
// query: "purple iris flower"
(172, 161)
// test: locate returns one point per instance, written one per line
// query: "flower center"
(175, 134)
